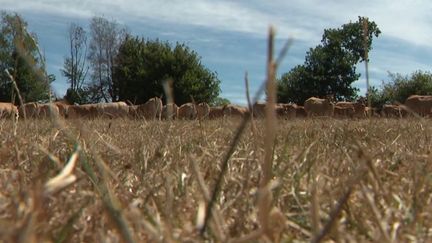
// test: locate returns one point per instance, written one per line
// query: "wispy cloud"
(407, 20)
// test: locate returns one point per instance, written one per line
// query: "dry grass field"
(338, 180)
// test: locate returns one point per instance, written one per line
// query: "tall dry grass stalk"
(265, 197)
(169, 94)
(249, 103)
(217, 227)
(366, 58)
(314, 210)
(15, 87)
(224, 165)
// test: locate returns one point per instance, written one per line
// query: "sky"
(231, 36)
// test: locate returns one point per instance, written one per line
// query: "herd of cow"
(154, 109)
(415, 105)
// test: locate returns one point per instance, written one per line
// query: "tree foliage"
(142, 66)
(219, 101)
(329, 68)
(400, 87)
(20, 55)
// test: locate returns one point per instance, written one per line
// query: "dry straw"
(265, 198)
(65, 177)
(366, 58)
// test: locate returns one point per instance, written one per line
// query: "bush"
(400, 87)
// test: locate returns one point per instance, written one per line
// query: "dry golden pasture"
(344, 180)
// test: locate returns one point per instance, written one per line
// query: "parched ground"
(341, 180)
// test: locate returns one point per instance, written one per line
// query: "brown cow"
(300, 111)
(357, 107)
(259, 109)
(113, 110)
(132, 113)
(318, 107)
(187, 111)
(216, 112)
(89, 111)
(152, 109)
(203, 110)
(282, 110)
(286, 111)
(62, 106)
(170, 111)
(29, 109)
(235, 111)
(420, 104)
(8, 110)
(372, 112)
(397, 111)
(344, 111)
(48, 110)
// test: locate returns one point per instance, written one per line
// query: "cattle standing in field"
(8, 110)
(28, 110)
(187, 111)
(235, 111)
(132, 113)
(318, 107)
(357, 108)
(42, 111)
(203, 110)
(343, 111)
(113, 110)
(150, 110)
(216, 112)
(372, 112)
(88, 111)
(286, 111)
(393, 111)
(49, 110)
(283, 111)
(420, 104)
(170, 111)
(300, 111)
(62, 106)
(258, 110)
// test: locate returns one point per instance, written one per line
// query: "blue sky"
(230, 36)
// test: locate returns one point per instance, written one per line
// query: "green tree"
(142, 66)
(377, 97)
(219, 101)
(329, 68)
(20, 55)
(294, 86)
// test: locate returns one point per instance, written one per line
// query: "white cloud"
(408, 20)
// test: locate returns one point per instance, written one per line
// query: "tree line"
(123, 67)
(107, 63)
